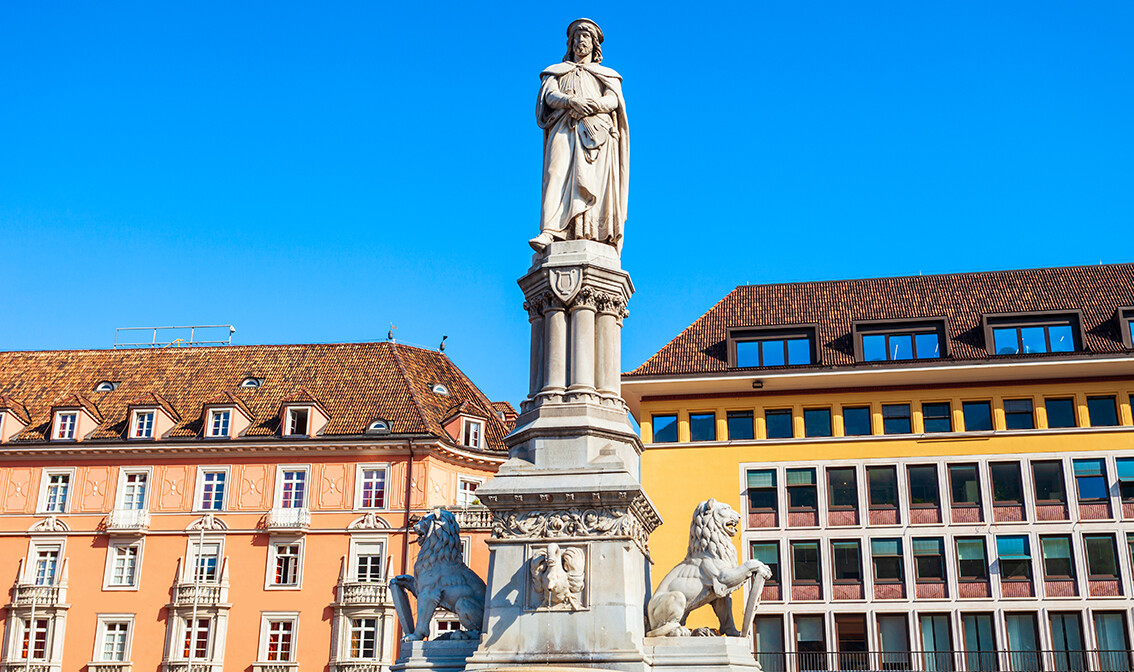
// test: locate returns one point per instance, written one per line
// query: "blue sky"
(312, 172)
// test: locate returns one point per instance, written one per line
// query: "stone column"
(606, 348)
(583, 343)
(535, 316)
(555, 348)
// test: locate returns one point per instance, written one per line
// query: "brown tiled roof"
(355, 382)
(963, 298)
(73, 400)
(14, 406)
(155, 399)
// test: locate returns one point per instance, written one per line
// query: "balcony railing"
(28, 593)
(186, 666)
(206, 593)
(280, 518)
(360, 592)
(108, 667)
(128, 521)
(358, 666)
(949, 661)
(474, 517)
(23, 666)
(275, 667)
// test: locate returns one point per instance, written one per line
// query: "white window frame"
(377, 636)
(44, 483)
(466, 423)
(111, 556)
(56, 426)
(288, 410)
(270, 574)
(199, 487)
(278, 498)
(183, 630)
(359, 540)
(189, 568)
(268, 617)
(385, 466)
(466, 550)
(119, 495)
(22, 631)
(210, 429)
(34, 547)
(462, 478)
(100, 637)
(134, 415)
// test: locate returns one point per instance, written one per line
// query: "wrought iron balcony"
(474, 517)
(362, 593)
(207, 593)
(948, 661)
(288, 519)
(108, 667)
(27, 594)
(128, 521)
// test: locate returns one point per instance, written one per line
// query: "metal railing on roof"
(177, 337)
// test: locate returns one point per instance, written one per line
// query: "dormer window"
(897, 341)
(1126, 326)
(778, 346)
(472, 433)
(66, 422)
(252, 382)
(219, 422)
(297, 421)
(143, 425)
(438, 388)
(106, 386)
(378, 427)
(1032, 333)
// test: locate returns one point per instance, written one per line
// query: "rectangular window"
(294, 489)
(124, 567)
(978, 416)
(65, 425)
(372, 494)
(1090, 480)
(894, 636)
(197, 638)
(768, 552)
(929, 559)
(1102, 411)
(810, 642)
(1015, 558)
(205, 560)
(769, 631)
(936, 642)
(972, 563)
(1060, 413)
(115, 636)
(364, 638)
(1006, 485)
(1102, 556)
(466, 491)
(842, 488)
(762, 490)
(665, 428)
(143, 425)
(924, 491)
(219, 422)
(805, 561)
(1023, 649)
(817, 422)
(980, 643)
(964, 484)
(779, 423)
(1067, 642)
(474, 429)
(883, 487)
(702, 427)
(1048, 477)
(46, 562)
(887, 557)
(286, 565)
(297, 421)
(773, 352)
(34, 639)
(1111, 641)
(847, 559)
(1034, 336)
(1018, 414)
(1057, 562)
(368, 562)
(134, 490)
(937, 417)
(856, 421)
(58, 487)
(899, 346)
(279, 644)
(896, 419)
(212, 490)
(802, 494)
(741, 425)
(1125, 466)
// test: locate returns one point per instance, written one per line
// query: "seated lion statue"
(441, 578)
(708, 575)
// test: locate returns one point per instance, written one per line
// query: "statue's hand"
(581, 107)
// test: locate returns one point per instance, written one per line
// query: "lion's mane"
(707, 537)
(441, 546)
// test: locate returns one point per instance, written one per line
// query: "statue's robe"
(585, 161)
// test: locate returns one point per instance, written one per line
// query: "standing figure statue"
(586, 144)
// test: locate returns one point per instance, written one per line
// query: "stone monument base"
(700, 654)
(436, 655)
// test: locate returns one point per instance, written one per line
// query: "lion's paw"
(704, 632)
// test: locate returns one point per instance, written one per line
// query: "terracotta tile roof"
(963, 298)
(356, 383)
(14, 406)
(155, 399)
(78, 401)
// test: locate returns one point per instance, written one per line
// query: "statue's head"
(584, 37)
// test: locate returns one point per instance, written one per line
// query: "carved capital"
(586, 298)
(572, 523)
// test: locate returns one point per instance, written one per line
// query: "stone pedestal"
(701, 654)
(437, 656)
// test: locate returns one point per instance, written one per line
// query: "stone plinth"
(701, 654)
(437, 656)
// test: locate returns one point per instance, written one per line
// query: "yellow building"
(938, 469)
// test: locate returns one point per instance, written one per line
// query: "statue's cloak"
(594, 181)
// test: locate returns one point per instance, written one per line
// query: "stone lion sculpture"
(441, 579)
(708, 575)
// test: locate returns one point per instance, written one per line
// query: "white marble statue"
(708, 575)
(586, 144)
(440, 578)
(558, 576)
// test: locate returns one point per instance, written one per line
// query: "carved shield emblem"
(566, 283)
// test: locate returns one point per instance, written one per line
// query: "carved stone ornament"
(570, 523)
(207, 523)
(566, 282)
(50, 524)
(370, 521)
(558, 577)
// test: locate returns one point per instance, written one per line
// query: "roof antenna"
(442, 346)
(390, 333)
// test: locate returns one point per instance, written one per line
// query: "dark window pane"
(1062, 338)
(847, 560)
(1018, 414)
(1033, 339)
(843, 488)
(1006, 485)
(927, 346)
(856, 421)
(896, 418)
(761, 500)
(1007, 341)
(1101, 559)
(1048, 478)
(805, 562)
(887, 557)
(901, 347)
(1060, 412)
(1102, 411)
(779, 423)
(883, 486)
(929, 567)
(965, 485)
(874, 347)
(937, 417)
(747, 353)
(799, 351)
(740, 425)
(665, 428)
(816, 422)
(978, 415)
(802, 498)
(702, 427)
(773, 353)
(923, 486)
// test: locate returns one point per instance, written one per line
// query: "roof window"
(1032, 333)
(778, 346)
(438, 388)
(1126, 326)
(378, 427)
(252, 382)
(106, 386)
(902, 340)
